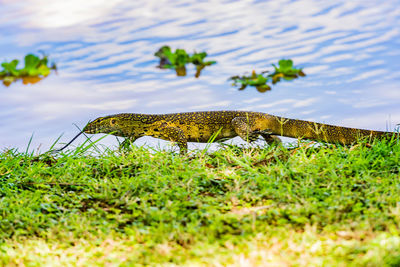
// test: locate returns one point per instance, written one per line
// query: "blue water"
(350, 51)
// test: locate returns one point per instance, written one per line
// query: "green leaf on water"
(10, 68)
(197, 58)
(284, 70)
(180, 58)
(31, 61)
(35, 69)
(285, 64)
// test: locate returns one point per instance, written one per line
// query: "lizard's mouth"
(90, 129)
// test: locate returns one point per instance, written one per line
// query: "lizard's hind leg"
(268, 137)
(243, 127)
(271, 139)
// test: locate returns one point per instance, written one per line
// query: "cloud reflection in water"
(104, 50)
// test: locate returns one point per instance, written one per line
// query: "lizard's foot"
(272, 139)
(268, 137)
(125, 145)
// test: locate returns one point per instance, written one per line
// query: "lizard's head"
(108, 124)
(123, 124)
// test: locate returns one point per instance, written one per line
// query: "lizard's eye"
(112, 122)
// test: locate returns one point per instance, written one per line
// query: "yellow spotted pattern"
(203, 125)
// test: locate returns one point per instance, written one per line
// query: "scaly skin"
(204, 125)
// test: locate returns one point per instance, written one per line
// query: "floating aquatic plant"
(285, 70)
(180, 58)
(197, 59)
(35, 69)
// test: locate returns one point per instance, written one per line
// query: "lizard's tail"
(319, 131)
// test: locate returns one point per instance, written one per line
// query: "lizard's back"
(202, 125)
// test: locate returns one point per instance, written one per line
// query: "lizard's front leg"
(174, 134)
(128, 140)
(126, 143)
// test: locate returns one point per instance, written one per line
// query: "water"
(350, 51)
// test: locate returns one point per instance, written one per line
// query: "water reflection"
(8, 80)
(104, 51)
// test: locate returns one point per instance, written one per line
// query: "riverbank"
(305, 205)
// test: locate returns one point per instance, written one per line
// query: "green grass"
(301, 206)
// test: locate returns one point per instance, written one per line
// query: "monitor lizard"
(216, 125)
